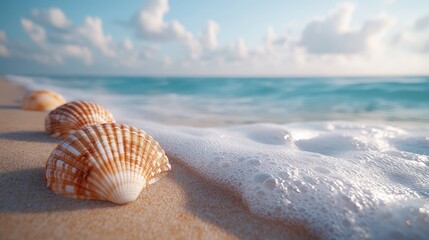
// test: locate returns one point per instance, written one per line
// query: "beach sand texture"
(182, 205)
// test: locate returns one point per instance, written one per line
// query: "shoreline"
(180, 205)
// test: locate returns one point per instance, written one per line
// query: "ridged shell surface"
(73, 116)
(112, 162)
(43, 100)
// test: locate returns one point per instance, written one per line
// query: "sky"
(215, 38)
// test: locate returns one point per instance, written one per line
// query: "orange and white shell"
(112, 162)
(73, 116)
(43, 100)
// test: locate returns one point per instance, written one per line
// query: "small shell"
(43, 100)
(73, 116)
(112, 162)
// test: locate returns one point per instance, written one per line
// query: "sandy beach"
(179, 206)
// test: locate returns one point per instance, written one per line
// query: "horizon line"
(209, 76)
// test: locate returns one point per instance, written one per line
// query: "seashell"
(110, 161)
(73, 116)
(43, 100)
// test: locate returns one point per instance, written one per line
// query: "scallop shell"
(112, 162)
(73, 116)
(43, 100)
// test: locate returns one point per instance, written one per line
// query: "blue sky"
(190, 37)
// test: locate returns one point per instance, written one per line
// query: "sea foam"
(341, 180)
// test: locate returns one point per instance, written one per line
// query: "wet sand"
(182, 205)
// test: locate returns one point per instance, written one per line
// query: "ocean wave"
(225, 101)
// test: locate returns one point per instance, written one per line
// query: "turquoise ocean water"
(221, 101)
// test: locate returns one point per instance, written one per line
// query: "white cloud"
(151, 17)
(92, 31)
(36, 32)
(79, 52)
(235, 52)
(336, 49)
(139, 56)
(239, 50)
(414, 38)
(150, 26)
(272, 41)
(77, 42)
(149, 23)
(333, 34)
(53, 17)
(209, 36)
